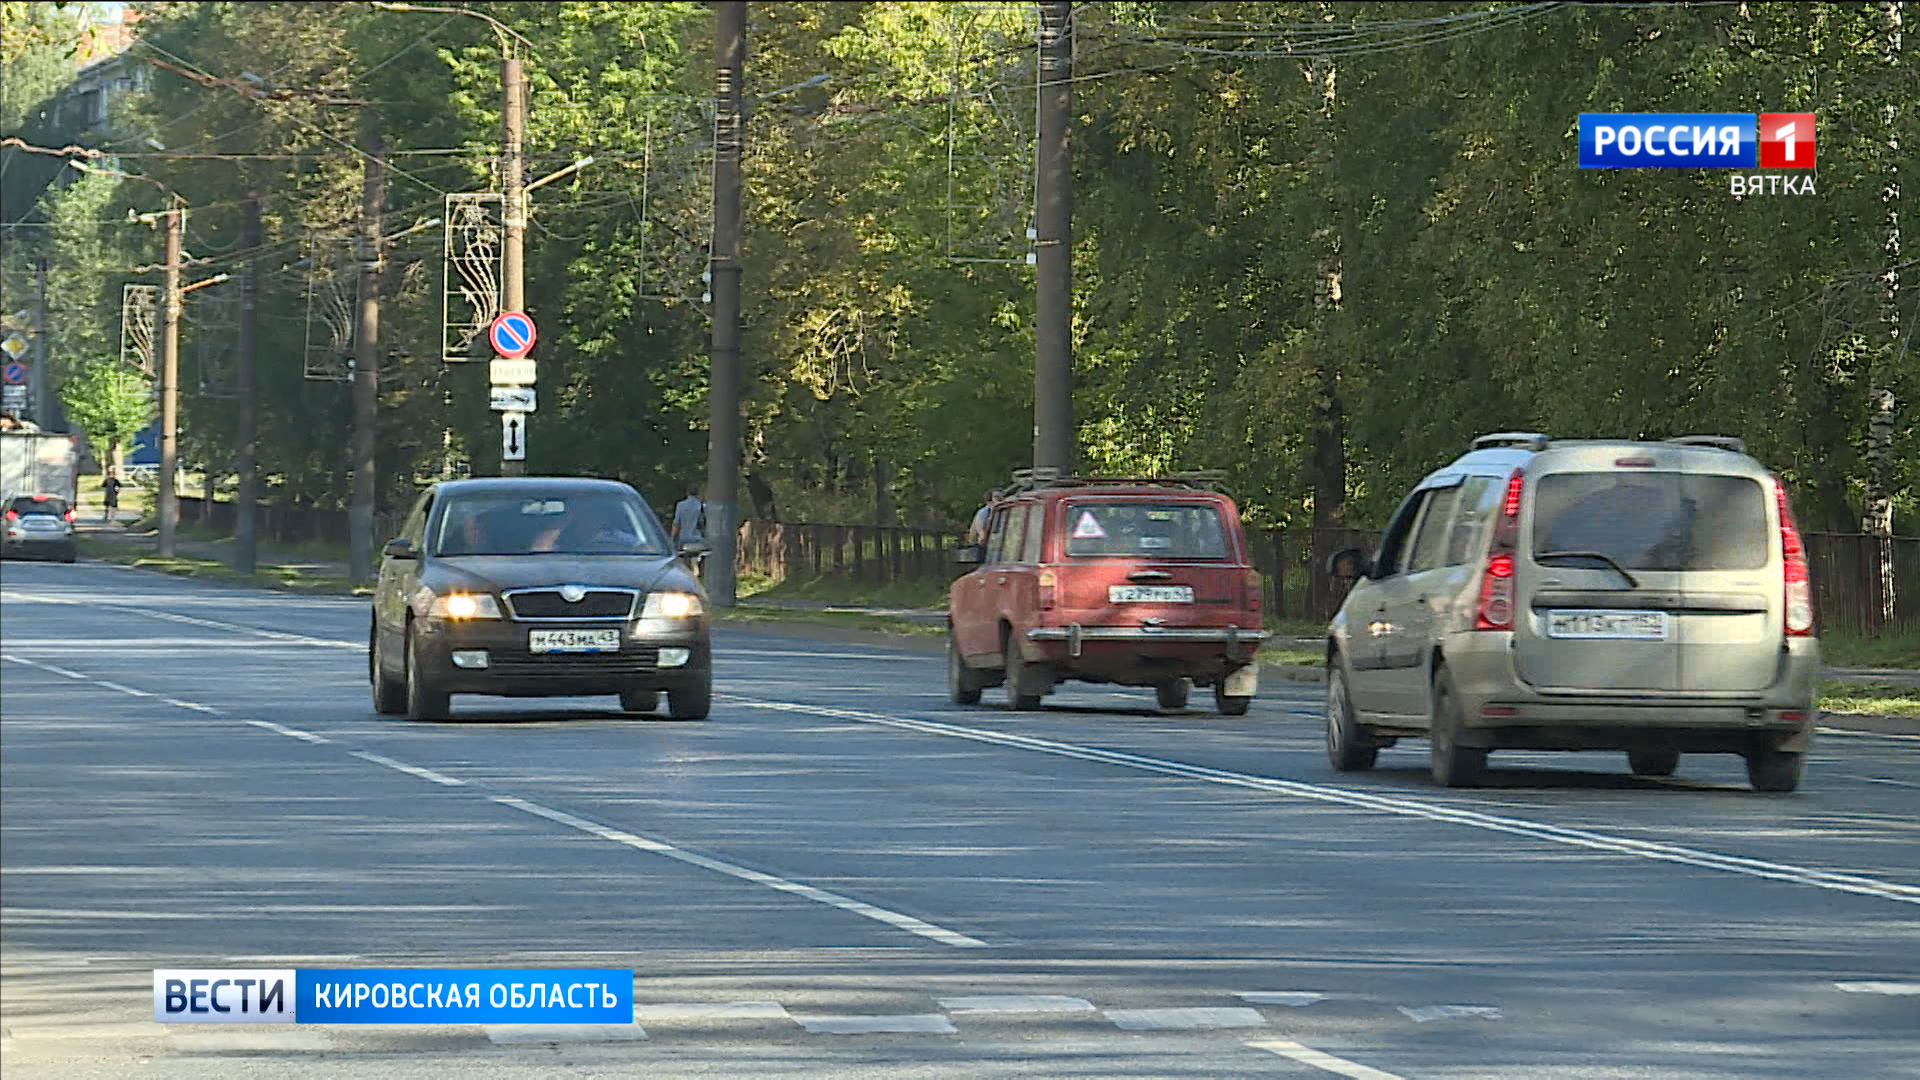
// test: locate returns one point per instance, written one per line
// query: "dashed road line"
(190, 620)
(510, 1034)
(822, 896)
(1852, 734)
(1016, 1005)
(291, 733)
(1400, 806)
(1321, 1060)
(1292, 999)
(918, 1024)
(243, 1041)
(1427, 1014)
(411, 770)
(1893, 989)
(694, 1011)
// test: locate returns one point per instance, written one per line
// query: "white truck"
(38, 463)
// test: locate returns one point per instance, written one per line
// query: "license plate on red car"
(573, 641)
(1149, 594)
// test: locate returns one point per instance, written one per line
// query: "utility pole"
(42, 374)
(245, 539)
(513, 209)
(723, 391)
(1881, 406)
(174, 221)
(1053, 441)
(366, 352)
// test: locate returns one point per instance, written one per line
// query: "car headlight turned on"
(465, 606)
(668, 612)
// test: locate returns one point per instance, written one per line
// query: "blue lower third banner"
(395, 996)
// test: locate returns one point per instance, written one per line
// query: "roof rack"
(1717, 442)
(1532, 440)
(1025, 480)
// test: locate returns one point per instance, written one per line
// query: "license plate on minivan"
(1149, 594)
(573, 641)
(1608, 625)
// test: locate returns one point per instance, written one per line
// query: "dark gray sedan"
(537, 587)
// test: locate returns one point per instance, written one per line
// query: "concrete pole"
(723, 392)
(245, 535)
(168, 506)
(1053, 435)
(366, 355)
(513, 181)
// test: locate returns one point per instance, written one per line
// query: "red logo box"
(1786, 140)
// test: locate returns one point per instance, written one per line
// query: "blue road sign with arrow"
(511, 335)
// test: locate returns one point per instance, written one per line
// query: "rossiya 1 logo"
(1706, 141)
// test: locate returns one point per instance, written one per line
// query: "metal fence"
(285, 524)
(862, 554)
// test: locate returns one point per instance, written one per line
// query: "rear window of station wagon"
(1186, 530)
(1654, 520)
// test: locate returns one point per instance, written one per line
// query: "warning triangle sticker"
(1088, 528)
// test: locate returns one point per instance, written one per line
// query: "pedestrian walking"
(689, 524)
(110, 494)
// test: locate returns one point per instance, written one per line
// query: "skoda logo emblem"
(573, 594)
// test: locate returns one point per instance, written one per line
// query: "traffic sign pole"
(512, 335)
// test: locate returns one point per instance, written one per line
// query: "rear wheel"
(424, 700)
(1454, 765)
(389, 694)
(1173, 695)
(1653, 762)
(691, 702)
(1019, 697)
(1230, 704)
(1348, 747)
(639, 701)
(963, 683)
(1775, 770)
(71, 554)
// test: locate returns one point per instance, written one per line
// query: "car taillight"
(1252, 584)
(1495, 609)
(1047, 582)
(12, 514)
(1798, 585)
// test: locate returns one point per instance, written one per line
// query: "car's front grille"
(521, 664)
(530, 604)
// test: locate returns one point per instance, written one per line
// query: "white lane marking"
(1404, 807)
(191, 620)
(194, 705)
(507, 1034)
(410, 770)
(1426, 1014)
(1293, 999)
(1014, 1004)
(58, 670)
(1325, 1062)
(794, 653)
(123, 689)
(1896, 989)
(686, 1011)
(1849, 732)
(1200, 1019)
(291, 733)
(927, 1024)
(821, 896)
(219, 1042)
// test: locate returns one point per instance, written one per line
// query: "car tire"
(639, 701)
(1017, 678)
(1775, 770)
(1230, 704)
(1348, 747)
(691, 702)
(424, 700)
(1653, 762)
(389, 695)
(71, 555)
(1453, 765)
(963, 683)
(1173, 695)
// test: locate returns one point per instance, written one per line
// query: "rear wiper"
(1614, 566)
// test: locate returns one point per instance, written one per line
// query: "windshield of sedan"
(573, 524)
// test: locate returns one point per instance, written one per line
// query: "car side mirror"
(1349, 564)
(693, 550)
(399, 549)
(970, 554)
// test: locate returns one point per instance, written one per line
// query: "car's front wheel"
(425, 701)
(1173, 694)
(389, 694)
(1653, 762)
(691, 702)
(1348, 748)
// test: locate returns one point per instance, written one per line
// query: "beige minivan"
(1554, 594)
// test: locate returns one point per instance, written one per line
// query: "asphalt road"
(842, 875)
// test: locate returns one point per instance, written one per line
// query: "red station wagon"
(1137, 582)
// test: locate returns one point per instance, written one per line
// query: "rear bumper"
(1506, 710)
(1232, 637)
